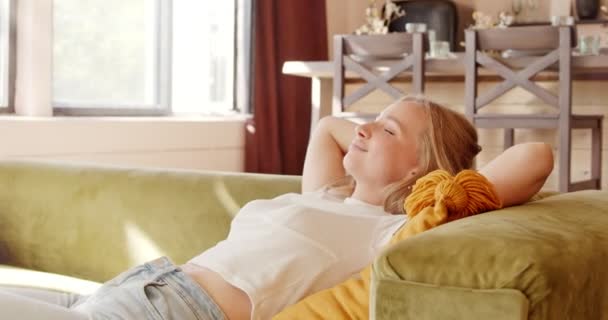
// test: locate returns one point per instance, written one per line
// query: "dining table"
(450, 68)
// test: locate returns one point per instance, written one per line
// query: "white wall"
(189, 143)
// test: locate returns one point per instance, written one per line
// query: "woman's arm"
(520, 171)
(325, 152)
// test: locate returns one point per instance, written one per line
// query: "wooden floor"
(589, 97)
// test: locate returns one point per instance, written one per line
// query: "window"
(7, 50)
(107, 54)
(203, 56)
(143, 56)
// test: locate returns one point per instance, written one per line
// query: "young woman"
(278, 251)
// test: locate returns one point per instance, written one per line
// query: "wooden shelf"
(593, 21)
(546, 23)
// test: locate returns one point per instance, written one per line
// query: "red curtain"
(277, 135)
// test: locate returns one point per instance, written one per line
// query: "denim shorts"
(157, 290)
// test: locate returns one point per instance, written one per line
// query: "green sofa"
(70, 226)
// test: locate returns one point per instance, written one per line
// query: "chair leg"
(596, 155)
(509, 138)
(565, 135)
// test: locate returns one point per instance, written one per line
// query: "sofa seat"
(19, 277)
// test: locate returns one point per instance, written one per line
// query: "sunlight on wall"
(224, 197)
(140, 248)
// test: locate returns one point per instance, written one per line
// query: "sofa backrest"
(93, 222)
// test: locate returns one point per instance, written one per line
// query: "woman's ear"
(413, 172)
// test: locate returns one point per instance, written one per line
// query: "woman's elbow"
(541, 156)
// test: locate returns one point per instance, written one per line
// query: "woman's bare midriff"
(233, 301)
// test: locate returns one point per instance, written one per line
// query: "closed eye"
(389, 132)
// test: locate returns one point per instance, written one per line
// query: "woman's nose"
(363, 131)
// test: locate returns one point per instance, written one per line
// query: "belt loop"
(161, 262)
(161, 266)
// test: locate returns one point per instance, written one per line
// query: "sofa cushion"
(18, 277)
(554, 251)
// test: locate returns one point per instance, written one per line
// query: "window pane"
(4, 50)
(105, 53)
(203, 56)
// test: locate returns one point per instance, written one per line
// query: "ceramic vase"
(587, 9)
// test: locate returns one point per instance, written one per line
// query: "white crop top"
(281, 250)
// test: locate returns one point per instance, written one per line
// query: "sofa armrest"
(402, 299)
(94, 221)
(547, 256)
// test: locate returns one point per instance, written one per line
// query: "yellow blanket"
(436, 198)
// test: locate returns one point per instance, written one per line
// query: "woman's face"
(385, 151)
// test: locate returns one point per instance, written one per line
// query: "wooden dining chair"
(377, 59)
(557, 42)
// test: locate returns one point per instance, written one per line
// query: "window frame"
(162, 72)
(243, 57)
(11, 58)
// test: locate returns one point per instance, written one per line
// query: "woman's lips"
(358, 146)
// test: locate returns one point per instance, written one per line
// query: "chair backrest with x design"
(556, 41)
(365, 55)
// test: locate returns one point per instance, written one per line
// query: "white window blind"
(203, 56)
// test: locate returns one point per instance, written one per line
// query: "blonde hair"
(448, 143)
